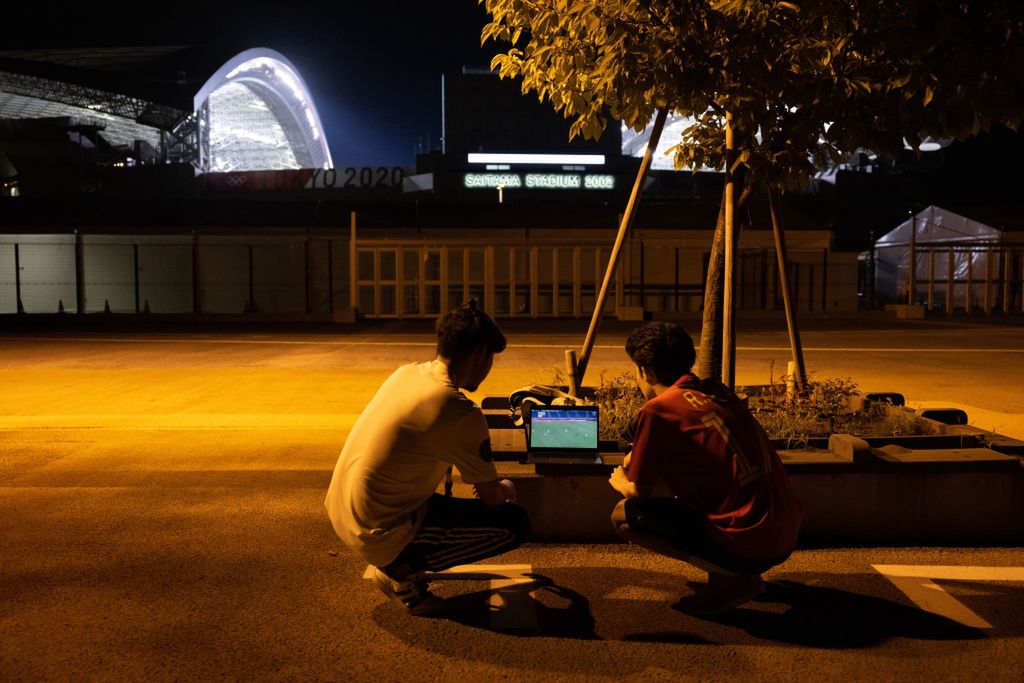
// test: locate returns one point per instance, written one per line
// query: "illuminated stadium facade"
(254, 113)
(508, 210)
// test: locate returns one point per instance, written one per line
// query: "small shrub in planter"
(620, 401)
(824, 407)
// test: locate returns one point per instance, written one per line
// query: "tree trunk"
(709, 358)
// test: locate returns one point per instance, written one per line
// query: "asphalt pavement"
(161, 518)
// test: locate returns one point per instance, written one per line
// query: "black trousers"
(460, 531)
(669, 519)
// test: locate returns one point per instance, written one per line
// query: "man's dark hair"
(463, 329)
(663, 348)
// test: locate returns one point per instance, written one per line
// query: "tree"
(792, 83)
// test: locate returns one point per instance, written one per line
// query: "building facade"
(508, 211)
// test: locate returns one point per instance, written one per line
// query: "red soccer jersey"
(700, 440)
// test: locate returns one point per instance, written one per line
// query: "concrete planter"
(955, 484)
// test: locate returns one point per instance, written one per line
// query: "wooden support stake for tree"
(613, 260)
(570, 372)
(800, 371)
(729, 310)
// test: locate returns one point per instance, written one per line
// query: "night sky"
(374, 68)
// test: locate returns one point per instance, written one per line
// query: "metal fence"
(171, 274)
(395, 275)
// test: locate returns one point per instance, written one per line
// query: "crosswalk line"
(916, 582)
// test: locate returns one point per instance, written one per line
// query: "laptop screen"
(564, 428)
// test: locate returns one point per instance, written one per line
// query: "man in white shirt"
(382, 500)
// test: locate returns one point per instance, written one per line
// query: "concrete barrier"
(906, 311)
(940, 496)
(955, 484)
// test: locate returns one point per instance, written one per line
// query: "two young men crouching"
(701, 484)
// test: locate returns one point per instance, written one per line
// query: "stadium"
(253, 113)
(132, 186)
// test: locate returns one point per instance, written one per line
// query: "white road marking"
(286, 342)
(916, 582)
(374, 342)
(1007, 424)
(182, 421)
(875, 349)
(517, 609)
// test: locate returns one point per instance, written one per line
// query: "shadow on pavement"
(552, 610)
(818, 616)
(627, 617)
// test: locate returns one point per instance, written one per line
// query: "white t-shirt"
(397, 454)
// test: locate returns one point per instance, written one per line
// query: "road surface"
(161, 517)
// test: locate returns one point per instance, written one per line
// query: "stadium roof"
(111, 59)
(165, 75)
(254, 112)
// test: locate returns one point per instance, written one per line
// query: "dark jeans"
(460, 531)
(685, 529)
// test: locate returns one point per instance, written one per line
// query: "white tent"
(952, 254)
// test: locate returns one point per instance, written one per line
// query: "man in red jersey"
(702, 482)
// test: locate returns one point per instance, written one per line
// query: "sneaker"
(722, 593)
(411, 594)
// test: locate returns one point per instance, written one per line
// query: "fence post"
(912, 275)
(950, 280)
(305, 251)
(250, 307)
(196, 307)
(135, 258)
(79, 273)
(17, 279)
(987, 299)
(969, 299)
(931, 278)
(1005, 263)
(330, 275)
(353, 265)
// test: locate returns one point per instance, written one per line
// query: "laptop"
(563, 435)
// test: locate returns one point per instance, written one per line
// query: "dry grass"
(825, 406)
(620, 401)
